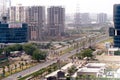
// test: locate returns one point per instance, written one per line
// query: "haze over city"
(91, 6)
(59, 39)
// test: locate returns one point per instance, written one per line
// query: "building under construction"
(4, 5)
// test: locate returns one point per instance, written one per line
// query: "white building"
(96, 72)
(95, 65)
(92, 69)
(102, 18)
(18, 13)
(117, 73)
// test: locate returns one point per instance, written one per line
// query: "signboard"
(15, 25)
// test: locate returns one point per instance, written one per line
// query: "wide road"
(45, 64)
(38, 67)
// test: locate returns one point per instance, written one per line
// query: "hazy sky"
(91, 6)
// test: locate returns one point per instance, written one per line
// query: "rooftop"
(95, 65)
(89, 70)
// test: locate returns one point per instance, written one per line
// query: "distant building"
(34, 16)
(18, 13)
(36, 21)
(56, 21)
(13, 33)
(101, 18)
(85, 18)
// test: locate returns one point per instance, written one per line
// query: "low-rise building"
(88, 72)
(95, 65)
(92, 69)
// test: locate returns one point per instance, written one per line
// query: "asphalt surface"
(39, 66)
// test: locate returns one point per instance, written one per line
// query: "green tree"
(72, 70)
(3, 71)
(39, 55)
(18, 47)
(117, 53)
(48, 45)
(26, 64)
(1, 50)
(8, 50)
(68, 78)
(22, 64)
(15, 67)
(29, 49)
(8, 66)
(85, 53)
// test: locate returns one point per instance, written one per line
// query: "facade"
(116, 18)
(13, 33)
(18, 13)
(34, 16)
(36, 21)
(89, 72)
(56, 21)
(102, 18)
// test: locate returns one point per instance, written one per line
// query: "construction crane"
(4, 4)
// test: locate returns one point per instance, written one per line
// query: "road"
(38, 67)
(42, 65)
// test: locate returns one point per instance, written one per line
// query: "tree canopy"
(85, 53)
(39, 55)
(29, 49)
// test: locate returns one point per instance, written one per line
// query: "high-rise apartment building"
(56, 20)
(18, 13)
(36, 21)
(34, 16)
(101, 18)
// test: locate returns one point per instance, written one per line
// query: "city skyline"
(91, 6)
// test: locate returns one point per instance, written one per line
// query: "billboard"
(15, 25)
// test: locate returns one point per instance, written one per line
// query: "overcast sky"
(91, 6)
